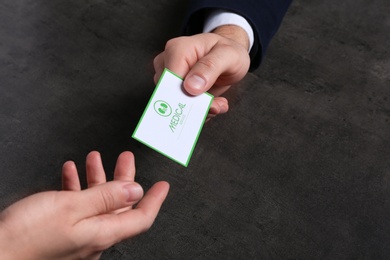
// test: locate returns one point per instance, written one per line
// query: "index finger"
(182, 53)
(125, 167)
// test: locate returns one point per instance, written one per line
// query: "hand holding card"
(173, 119)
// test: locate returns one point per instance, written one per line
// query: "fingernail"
(196, 83)
(133, 191)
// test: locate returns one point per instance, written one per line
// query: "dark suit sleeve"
(265, 17)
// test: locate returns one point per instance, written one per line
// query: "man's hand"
(208, 62)
(80, 224)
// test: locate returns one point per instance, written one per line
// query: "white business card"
(173, 119)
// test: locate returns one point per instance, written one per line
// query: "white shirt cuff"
(221, 17)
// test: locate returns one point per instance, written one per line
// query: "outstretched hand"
(208, 62)
(75, 223)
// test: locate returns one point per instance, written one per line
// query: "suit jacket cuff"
(219, 18)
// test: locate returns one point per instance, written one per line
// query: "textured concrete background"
(299, 167)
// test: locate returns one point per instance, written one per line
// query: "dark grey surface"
(299, 167)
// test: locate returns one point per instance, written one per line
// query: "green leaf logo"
(162, 108)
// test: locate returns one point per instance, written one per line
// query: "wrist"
(10, 245)
(235, 33)
(220, 17)
(5, 248)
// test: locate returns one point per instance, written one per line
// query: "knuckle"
(169, 43)
(210, 64)
(172, 43)
(148, 222)
(108, 200)
(156, 61)
(102, 242)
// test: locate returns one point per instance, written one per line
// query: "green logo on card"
(162, 108)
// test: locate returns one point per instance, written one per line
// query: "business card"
(173, 119)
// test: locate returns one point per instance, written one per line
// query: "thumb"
(224, 65)
(108, 197)
(204, 74)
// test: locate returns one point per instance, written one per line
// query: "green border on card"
(147, 107)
